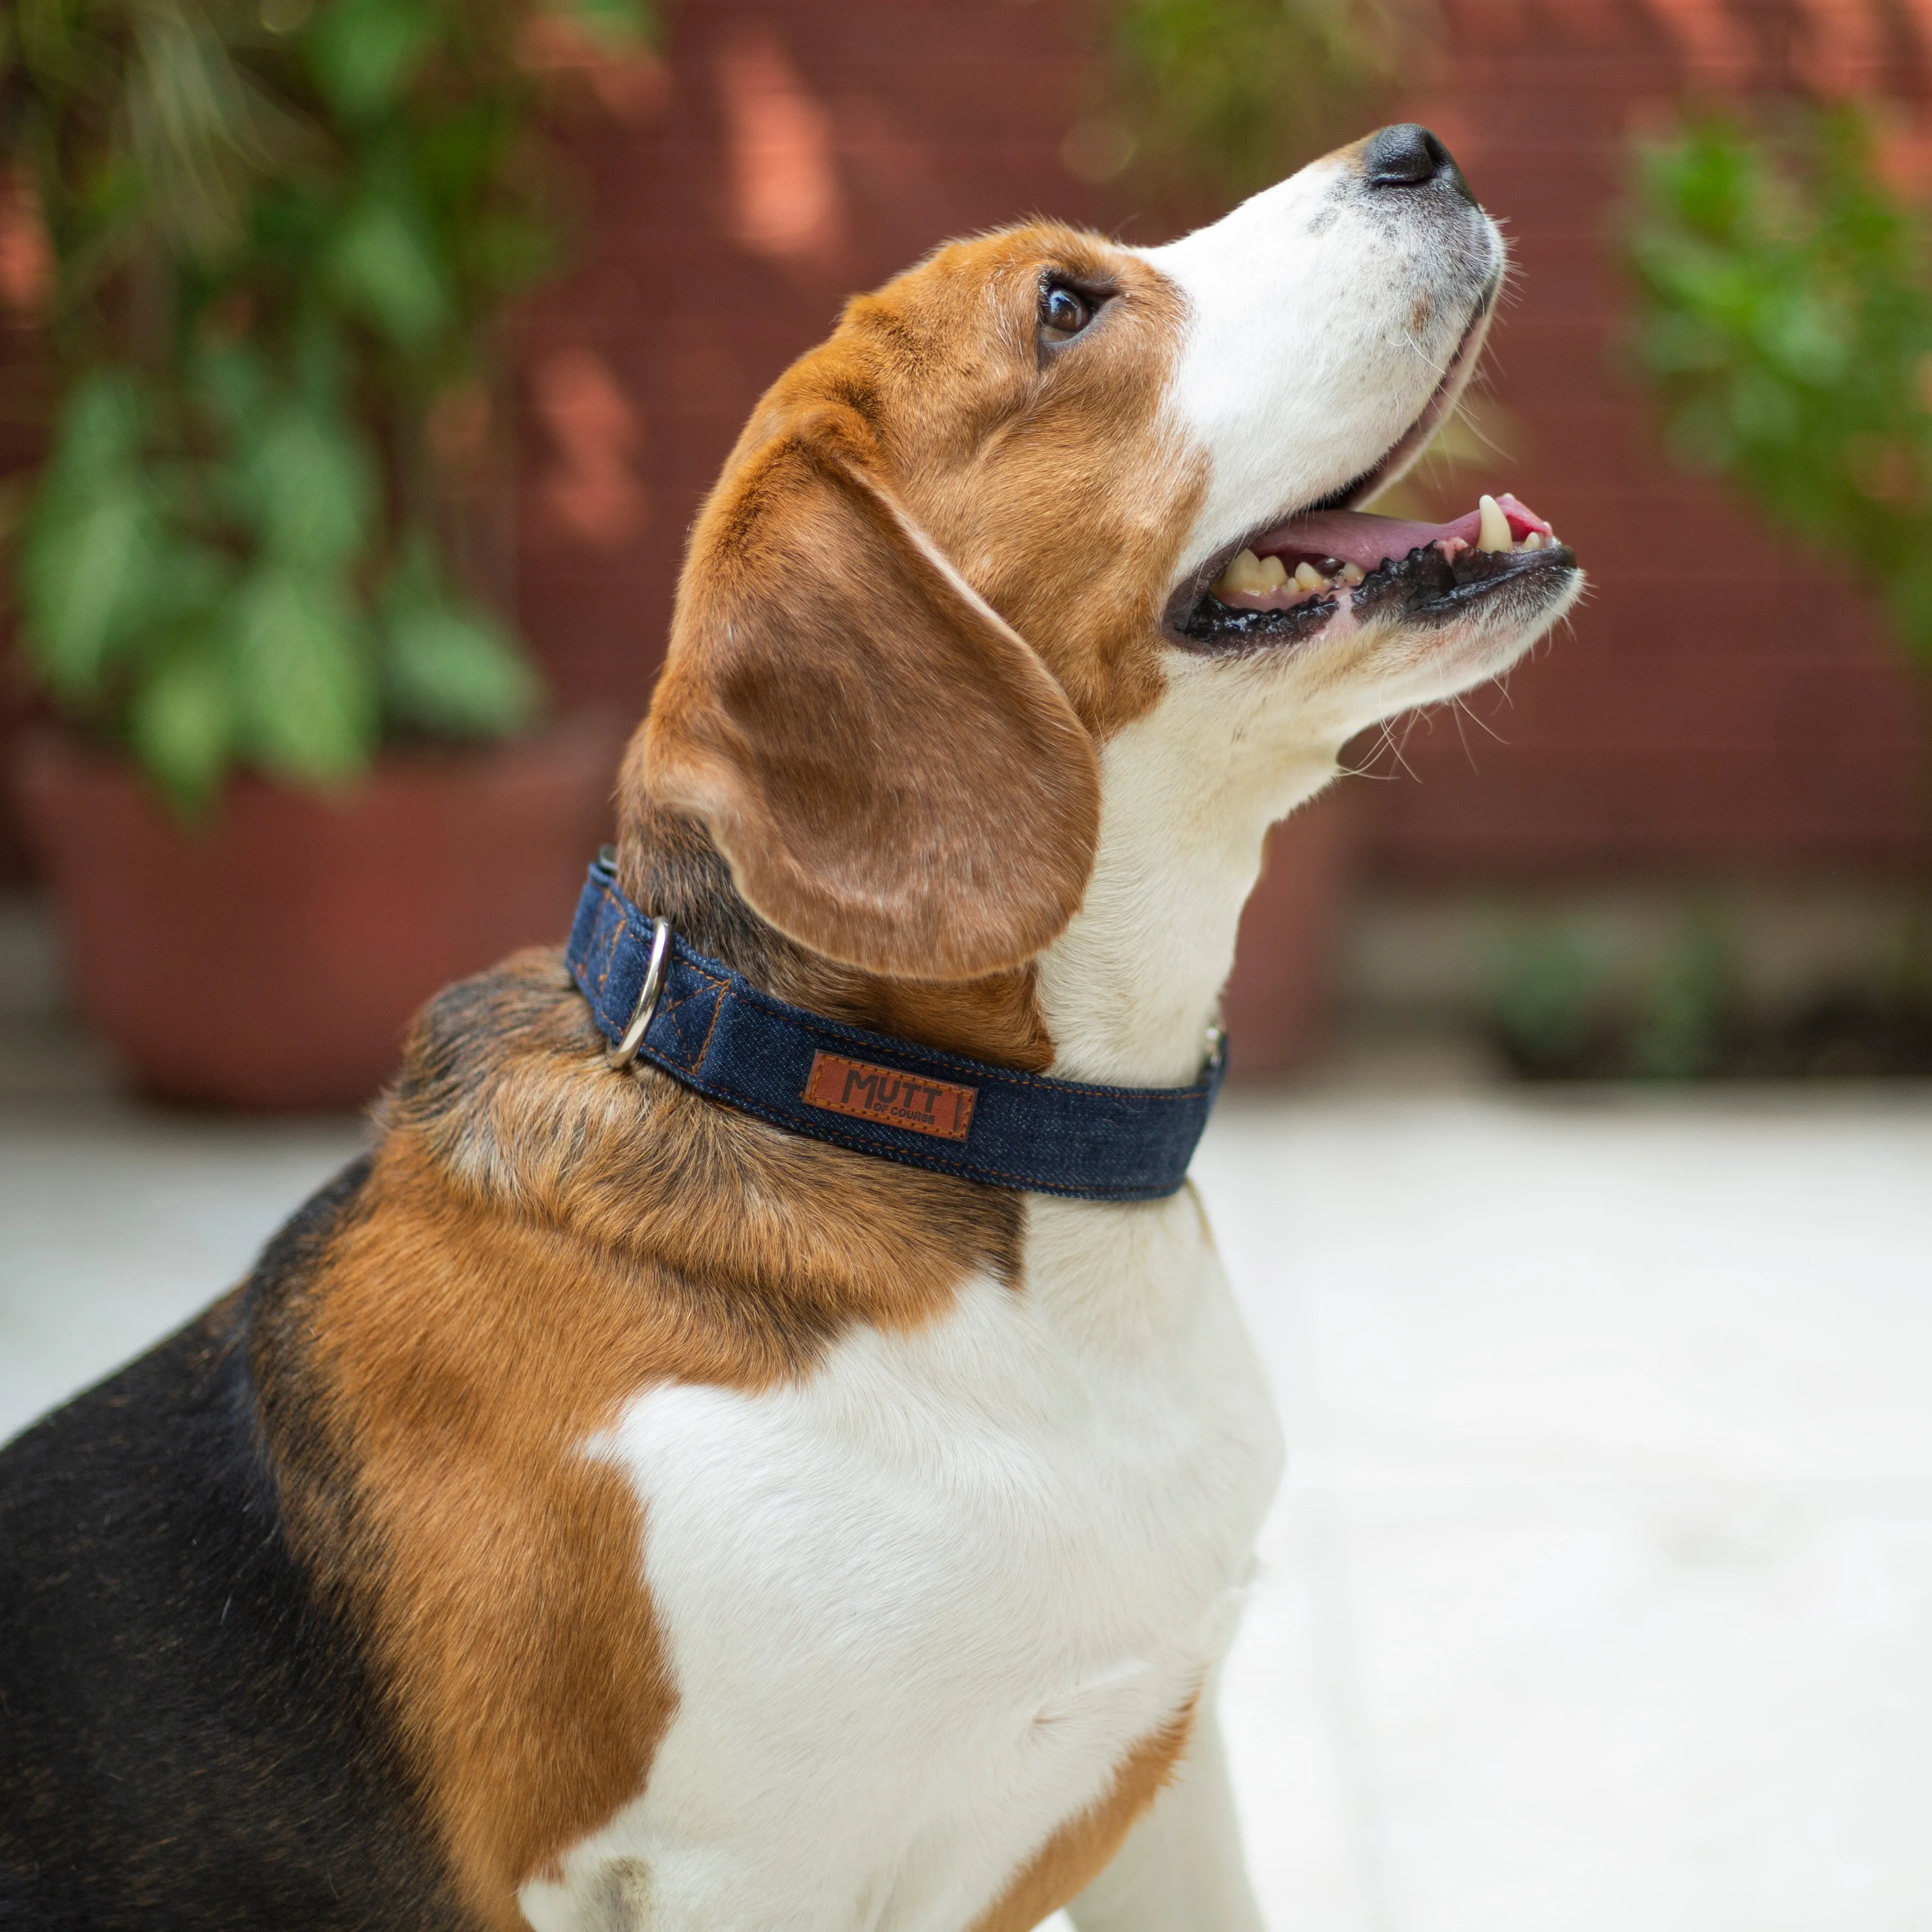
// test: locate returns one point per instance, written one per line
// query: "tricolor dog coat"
(670, 1484)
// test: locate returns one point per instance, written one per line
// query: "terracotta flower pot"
(1276, 1006)
(272, 959)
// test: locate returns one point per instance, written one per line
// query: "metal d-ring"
(621, 1055)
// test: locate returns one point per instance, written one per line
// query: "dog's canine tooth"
(1493, 533)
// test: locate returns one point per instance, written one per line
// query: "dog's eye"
(1064, 312)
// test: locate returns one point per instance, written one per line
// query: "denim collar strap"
(711, 1029)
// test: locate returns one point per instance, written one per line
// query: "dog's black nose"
(1409, 156)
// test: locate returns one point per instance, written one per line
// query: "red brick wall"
(1721, 702)
(1717, 704)
(805, 149)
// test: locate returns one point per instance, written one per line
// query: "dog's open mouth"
(1330, 565)
(1295, 579)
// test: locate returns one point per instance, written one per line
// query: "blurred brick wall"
(1721, 704)
(1718, 705)
(803, 149)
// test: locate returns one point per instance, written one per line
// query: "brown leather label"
(842, 1086)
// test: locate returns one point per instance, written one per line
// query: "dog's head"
(1039, 584)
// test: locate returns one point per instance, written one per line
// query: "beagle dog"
(610, 1506)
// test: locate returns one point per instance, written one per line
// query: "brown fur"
(903, 779)
(538, 1240)
(1079, 1851)
(887, 667)
(859, 737)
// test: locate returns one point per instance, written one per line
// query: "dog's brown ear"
(896, 779)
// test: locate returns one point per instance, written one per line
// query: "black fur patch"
(189, 1740)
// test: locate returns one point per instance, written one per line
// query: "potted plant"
(298, 783)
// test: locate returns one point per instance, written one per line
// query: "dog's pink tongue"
(1353, 536)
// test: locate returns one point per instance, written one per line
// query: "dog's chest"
(920, 1605)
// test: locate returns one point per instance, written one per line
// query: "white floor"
(1601, 1596)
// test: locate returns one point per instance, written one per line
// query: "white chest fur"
(921, 1604)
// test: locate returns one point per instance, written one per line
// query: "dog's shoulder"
(325, 1594)
(509, 1142)
(538, 1240)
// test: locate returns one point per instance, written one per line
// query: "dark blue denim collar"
(716, 1033)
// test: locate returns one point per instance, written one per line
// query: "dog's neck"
(1129, 990)
(1127, 993)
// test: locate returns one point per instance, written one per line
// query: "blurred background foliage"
(1563, 1005)
(1575, 996)
(1221, 97)
(1786, 321)
(279, 231)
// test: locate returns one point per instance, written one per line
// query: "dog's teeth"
(1274, 573)
(1493, 533)
(1534, 541)
(1307, 577)
(1351, 574)
(1244, 573)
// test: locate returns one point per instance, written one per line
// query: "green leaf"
(312, 487)
(106, 568)
(456, 673)
(384, 269)
(101, 426)
(234, 381)
(187, 580)
(85, 557)
(1787, 326)
(181, 720)
(305, 688)
(363, 53)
